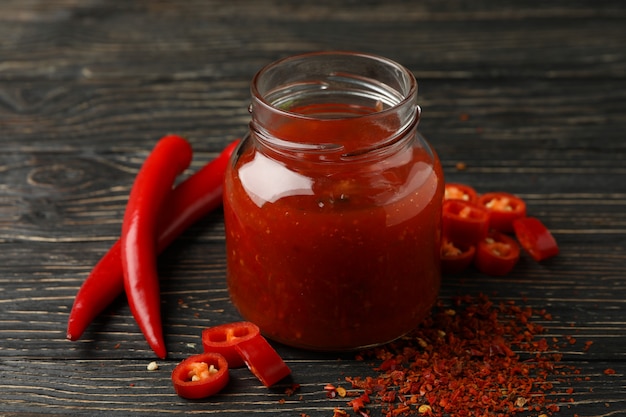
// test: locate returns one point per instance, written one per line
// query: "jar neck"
(333, 105)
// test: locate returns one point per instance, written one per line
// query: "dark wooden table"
(530, 96)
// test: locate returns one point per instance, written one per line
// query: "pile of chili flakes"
(471, 358)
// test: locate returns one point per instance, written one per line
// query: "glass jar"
(332, 204)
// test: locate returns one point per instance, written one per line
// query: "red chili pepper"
(190, 200)
(503, 209)
(200, 376)
(463, 222)
(153, 185)
(262, 360)
(456, 258)
(222, 339)
(535, 238)
(457, 191)
(496, 254)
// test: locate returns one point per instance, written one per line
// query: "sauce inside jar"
(333, 227)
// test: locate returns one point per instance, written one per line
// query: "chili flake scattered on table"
(474, 358)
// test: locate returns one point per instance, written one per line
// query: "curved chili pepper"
(153, 184)
(191, 200)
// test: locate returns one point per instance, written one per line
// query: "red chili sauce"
(339, 255)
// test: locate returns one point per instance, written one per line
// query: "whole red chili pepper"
(191, 200)
(153, 184)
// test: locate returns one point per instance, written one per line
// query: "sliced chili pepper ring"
(262, 360)
(535, 238)
(222, 339)
(503, 209)
(463, 222)
(456, 258)
(200, 376)
(496, 254)
(458, 191)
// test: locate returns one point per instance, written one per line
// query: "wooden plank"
(176, 43)
(126, 387)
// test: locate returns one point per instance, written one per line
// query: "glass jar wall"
(332, 204)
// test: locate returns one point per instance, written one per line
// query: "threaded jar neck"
(333, 103)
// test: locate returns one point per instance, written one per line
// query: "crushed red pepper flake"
(337, 412)
(474, 358)
(292, 389)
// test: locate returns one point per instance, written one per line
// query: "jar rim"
(408, 94)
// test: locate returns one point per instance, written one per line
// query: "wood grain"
(530, 97)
